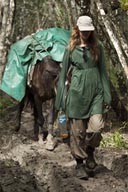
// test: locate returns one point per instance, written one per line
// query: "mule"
(41, 88)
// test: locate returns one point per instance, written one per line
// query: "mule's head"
(51, 66)
(45, 77)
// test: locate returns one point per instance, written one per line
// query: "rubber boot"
(80, 171)
(90, 161)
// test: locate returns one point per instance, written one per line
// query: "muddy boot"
(80, 171)
(90, 161)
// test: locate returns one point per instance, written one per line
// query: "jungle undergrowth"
(5, 103)
(115, 139)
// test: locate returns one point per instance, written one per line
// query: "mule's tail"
(29, 98)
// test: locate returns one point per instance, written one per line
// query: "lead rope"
(30, 74)
(40, 44)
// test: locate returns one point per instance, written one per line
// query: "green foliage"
(124, 125)
(33, 15)
(114, 141)
(4, 104)
(118, 140)
(124, 4)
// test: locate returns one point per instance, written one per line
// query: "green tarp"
(25, 53)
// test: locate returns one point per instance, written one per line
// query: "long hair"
(92, 41)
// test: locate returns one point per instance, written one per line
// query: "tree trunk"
(115, 38)
(6, 12)
(115, 42)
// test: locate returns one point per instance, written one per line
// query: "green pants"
(84, 133)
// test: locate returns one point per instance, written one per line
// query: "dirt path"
(26, 165)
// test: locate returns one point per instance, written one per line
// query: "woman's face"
(84, 35)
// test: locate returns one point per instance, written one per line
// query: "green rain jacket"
(89, 88)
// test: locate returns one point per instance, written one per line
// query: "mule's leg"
(51, 142)
(38, 116)
(20, 107)
(50, 119)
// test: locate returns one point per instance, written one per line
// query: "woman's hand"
(106, 106)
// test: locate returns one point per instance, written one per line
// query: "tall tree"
(6, 18)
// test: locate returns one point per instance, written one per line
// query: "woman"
(88, 94)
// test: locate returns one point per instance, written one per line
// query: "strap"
(41, 44)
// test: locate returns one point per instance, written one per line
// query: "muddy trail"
(26, 165)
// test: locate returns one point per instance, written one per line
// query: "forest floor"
(26, 165)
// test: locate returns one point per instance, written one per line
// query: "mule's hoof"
(50, 143)
(40, 141)
(50, 146)
(16, 129)
(36, 138)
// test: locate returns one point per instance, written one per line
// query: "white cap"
(84, 23)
